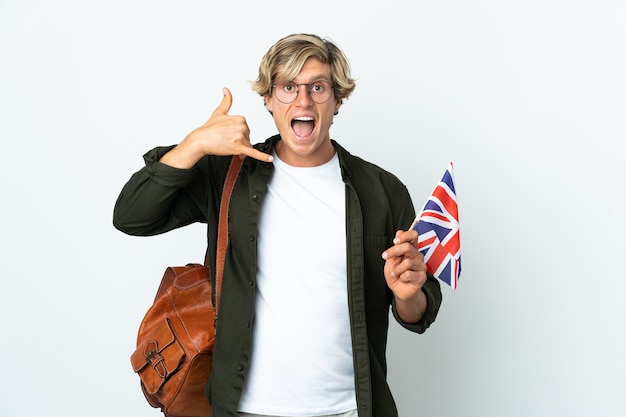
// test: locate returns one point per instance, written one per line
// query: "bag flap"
(157, 356)
(191, 277)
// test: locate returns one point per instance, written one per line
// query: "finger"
(256, 154)
(401, 248)
(414, 264)
(409, 270)
(408, 236)
(224, 106)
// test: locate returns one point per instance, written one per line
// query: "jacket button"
(240, 368)
(255, 197)
(251, 239)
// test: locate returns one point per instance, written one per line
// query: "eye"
(317, 87)
(289, 88)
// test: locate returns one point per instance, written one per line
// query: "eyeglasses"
(319, 91)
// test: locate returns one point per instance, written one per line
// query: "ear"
(268, 103)
(338, 104)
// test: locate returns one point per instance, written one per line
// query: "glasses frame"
(308, 85)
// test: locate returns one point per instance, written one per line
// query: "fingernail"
(385, 255)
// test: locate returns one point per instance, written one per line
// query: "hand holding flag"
(438, 228)
(405, 273)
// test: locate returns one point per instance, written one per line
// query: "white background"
(528, 99)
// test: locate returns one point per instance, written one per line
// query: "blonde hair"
(284, 60)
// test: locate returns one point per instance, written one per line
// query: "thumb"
(224, 106)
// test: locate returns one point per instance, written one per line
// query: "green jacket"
(159, 198)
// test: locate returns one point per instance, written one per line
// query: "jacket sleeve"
(431, 288)
(159, 198)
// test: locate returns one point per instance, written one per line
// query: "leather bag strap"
(222, 227)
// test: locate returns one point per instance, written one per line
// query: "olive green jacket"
(159, 198)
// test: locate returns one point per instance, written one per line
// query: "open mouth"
(303, 126)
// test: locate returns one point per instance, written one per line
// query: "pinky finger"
(256, 154)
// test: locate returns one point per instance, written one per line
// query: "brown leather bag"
(176, 337)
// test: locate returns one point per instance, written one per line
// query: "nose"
(303, 99)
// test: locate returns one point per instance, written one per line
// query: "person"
(317, 255)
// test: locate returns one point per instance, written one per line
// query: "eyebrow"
(280, 78)
(312, 80)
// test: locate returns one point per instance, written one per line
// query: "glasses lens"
(286, 92)
(319, 91)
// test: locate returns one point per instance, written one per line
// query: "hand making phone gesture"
(222, 134)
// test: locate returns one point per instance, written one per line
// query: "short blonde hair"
(284, 60)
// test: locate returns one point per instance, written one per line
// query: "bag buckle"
(154, 358)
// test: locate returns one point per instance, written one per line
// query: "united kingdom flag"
(438, 228)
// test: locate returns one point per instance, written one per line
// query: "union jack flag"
(438, 228)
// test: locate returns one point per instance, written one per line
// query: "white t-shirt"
(301, 362)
